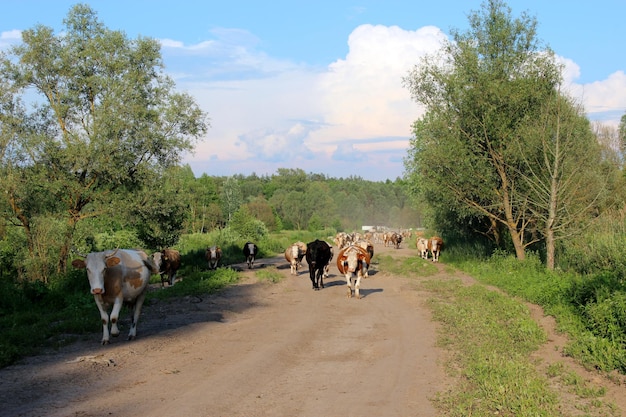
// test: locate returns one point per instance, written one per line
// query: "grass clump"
(409, 267)
(490, 337)
(270, 274)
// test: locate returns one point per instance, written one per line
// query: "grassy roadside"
(490, 338)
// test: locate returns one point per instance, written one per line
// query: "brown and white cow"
(395, 239)
(294, 255)
(422, 247)
(250, 251)
(435, 245)
(353, 260)
(213, 256)
(117, 277)
(369, 248)
(167, 262)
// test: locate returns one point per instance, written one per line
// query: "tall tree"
(106, 118)
(232, 198)
(562, 168)
(482, 89)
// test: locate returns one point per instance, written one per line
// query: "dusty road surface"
(255, 349)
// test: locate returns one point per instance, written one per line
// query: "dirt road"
(255, 349)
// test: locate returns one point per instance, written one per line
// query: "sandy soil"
(254, 349)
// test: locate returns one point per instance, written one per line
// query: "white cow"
(118, 277)
(294, 255)
(213, 255)
(422, 247)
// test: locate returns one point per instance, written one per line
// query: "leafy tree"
(231, 197)
(479, 94)
(106, 119)
(160, 209)
(261, 210)
(204, 204)
(247, 226)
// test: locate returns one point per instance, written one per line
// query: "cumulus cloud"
(9, 38)
(356, 109)
(602, 100)
(279, 146)
(363, 93)
(352, 117)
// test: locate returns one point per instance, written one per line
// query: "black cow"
(250, 251)
(318, 255)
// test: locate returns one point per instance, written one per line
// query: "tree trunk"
(516, 237)
(64, 251)
(550, 249)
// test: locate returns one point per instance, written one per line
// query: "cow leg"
(357, 285)
(104, 316)
(312, 275)
(136, 310)
(115, 313)
(172, 278)
(320, 277)
(349, 282)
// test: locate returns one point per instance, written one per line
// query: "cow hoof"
(105, 342)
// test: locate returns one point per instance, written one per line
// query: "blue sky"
(318, 86)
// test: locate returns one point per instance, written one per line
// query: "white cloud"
(351, 118)
(290, 113)
(9, 38)
(363, 94)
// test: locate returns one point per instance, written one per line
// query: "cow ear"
(112, 261)
(79, 264)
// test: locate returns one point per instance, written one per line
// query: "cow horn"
(113, 254)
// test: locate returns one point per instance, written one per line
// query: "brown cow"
(213, 256)
(167, 262)
(116, 278)
(353, 260)
(435, 245)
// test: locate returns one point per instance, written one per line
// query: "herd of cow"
(121, 276)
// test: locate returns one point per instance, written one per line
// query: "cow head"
(96, 264)
(352, 260)
(295, 252)
(157, 259)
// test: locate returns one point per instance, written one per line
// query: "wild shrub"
(601, 248)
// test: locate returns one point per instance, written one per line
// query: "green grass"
(270, 274)
(490, 338)
(408, 266)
